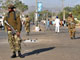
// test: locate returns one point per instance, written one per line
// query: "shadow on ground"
(38, 34)
(77, 37)
(38, 51)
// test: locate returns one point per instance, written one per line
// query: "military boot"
(74, 36)
(27, 34)
(14, 55)
(20, 55)
(71, 37)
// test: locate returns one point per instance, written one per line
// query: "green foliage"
(60, 15)
(42, 15)
(19, 5)
(32, 15)
(68, 9)
(1, 1)
(75, 11)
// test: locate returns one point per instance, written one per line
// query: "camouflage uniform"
(71, 27)
(13, 40)
(27, 25)
(13, 19)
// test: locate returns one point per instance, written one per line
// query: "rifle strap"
(9, 15)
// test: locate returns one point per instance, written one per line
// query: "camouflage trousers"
(14, 41)
(72, 33)
(27, 29)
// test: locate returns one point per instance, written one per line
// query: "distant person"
(50, 23)
(53, 22)
(27, 25)
(57, 24)
(47, 24)
(14, 40)
(64, 23)
(61, 23)
(71, 25)
(44, 22)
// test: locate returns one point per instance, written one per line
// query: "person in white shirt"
(57, 25)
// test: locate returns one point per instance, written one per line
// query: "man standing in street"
(57, 24)
(47, 24)
(14, 39)
(71, 25)
(27, 25)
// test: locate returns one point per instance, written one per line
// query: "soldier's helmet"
(11, 6)
(70, 13)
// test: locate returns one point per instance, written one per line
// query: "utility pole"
(37, 28)
(36, 15)
(47, 14)
(52, 13)
(63, 10)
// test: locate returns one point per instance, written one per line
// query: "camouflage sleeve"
(5, 26)
(19, 24)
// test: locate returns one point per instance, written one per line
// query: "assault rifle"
(12, 29)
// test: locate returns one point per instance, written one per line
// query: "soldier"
(71, 25)
(27, 24)
(14, 40)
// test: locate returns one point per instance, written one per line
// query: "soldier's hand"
(18, 34)
(9, 29)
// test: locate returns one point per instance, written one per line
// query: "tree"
(76, 11)
(20, 6)
(32, 16)
(41, 15)
(1, 1)
(67, 10)
(44, 14)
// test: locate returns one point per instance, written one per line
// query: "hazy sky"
(52, 3)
